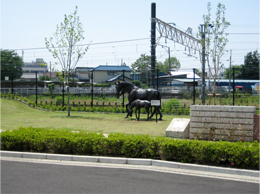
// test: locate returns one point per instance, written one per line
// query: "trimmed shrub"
(235, 154)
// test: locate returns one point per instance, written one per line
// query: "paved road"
(28, 177)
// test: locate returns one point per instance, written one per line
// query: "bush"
(179, 111)
(186, 111)
(136, 83)
(173, 110)
(236, 154)
(170, 106)
(59, 100)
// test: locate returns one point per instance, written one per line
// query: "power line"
(244, 33)
(119, 41)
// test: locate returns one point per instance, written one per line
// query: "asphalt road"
(26, 177)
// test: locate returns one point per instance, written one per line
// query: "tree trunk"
(214, 89)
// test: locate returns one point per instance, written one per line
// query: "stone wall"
(228, 123)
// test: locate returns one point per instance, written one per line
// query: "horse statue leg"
(159, 113)
(127, 110)
(153, 111)
(147, 111)
(138, 114)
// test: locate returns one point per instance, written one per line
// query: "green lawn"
(15, 114)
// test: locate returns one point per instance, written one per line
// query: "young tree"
(64, 45)
(11, 64)
(215, 40)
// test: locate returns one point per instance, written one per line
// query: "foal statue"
(138, 104)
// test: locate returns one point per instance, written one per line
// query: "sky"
(119, 30)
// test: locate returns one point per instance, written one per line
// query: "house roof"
(120, 76)
(84, 69)
(189, 75)
(187, 80)
(112, 68)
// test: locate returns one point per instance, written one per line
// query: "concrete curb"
(131, 161)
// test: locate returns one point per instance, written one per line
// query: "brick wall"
(228, 123)
(256, 127)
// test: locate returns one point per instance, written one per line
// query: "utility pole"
(153, 43)
(169, 58)
(50, 69)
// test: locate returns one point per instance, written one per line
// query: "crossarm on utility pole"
(172, 33)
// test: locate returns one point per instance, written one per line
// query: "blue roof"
(112, 68)
(237, 80)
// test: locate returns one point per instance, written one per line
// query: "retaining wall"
(256, 128)
(228, 123)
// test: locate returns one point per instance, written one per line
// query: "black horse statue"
(138, 104)
(135, 93)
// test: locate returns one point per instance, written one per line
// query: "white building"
(30, 69)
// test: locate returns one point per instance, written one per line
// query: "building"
(107, 73)
(246, 84)
(83, 73)
(30, 69)
(179, 79)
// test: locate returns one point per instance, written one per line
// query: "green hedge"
(237, 154)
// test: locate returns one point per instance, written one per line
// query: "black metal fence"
(36, 87)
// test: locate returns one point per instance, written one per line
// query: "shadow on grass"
(78, 117)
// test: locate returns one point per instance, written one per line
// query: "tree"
(142, 65)
(250, 70)
(215, 40)
(164, 67)
(11, 64)
(237, 72)
(64, 46)
(51, 88)
(45, 78)
(198, 72)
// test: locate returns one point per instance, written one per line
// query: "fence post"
(12, 83)
(233, 86)
(63, 90)
(157, 78)
(194, 86)
(123, 92)
(92, 89)
(36, 86)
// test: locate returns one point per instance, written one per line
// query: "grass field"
(15, 114)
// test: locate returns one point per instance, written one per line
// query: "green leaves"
(11, 64)
(68, 34)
